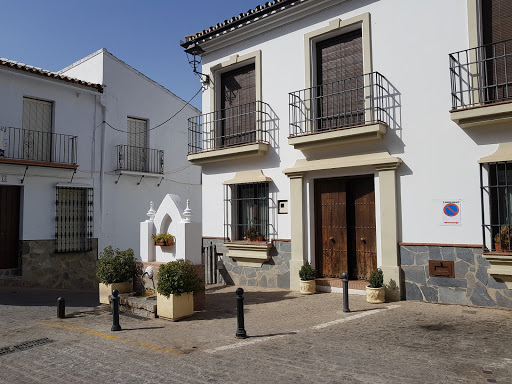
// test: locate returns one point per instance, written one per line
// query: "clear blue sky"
(53, 34)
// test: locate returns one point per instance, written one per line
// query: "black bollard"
(344, 277)
(240, 332)
(115, 310)
(61, 308)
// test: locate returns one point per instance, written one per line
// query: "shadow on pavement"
(21, 296)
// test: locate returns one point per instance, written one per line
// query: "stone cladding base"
(472, 284)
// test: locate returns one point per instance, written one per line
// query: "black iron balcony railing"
(344, 103)
(481, 75)
(243, 124)
(44, 147)
(139, 159)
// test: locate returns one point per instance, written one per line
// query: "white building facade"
(80, 162)
(350, 135)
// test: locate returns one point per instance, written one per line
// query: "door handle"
(363, 239)
(331, 239)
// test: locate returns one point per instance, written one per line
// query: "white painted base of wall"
(328, 289)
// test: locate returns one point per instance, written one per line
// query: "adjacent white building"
(81, 156)
(350, 135)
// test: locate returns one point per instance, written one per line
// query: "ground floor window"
(74, 219)
(246, 209)
(497, 205)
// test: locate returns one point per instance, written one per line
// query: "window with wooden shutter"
(238, 106)
(37, 130)
(496, 30)
(136, 154)
(340, 81)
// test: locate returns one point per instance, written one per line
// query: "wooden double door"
(345, 230)
(9, 226)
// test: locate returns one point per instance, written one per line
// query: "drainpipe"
(103, 104)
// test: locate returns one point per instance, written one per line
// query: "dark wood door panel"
(364, 229)
(331, 227)
(9, 226)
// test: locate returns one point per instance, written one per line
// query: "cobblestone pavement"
(293, 339)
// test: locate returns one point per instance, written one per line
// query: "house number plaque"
(3, 178)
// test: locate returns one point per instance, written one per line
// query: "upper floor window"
(340, 83)
(136, 156)
(37, 130)
(237, 124)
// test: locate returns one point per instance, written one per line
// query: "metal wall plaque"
(440, 268)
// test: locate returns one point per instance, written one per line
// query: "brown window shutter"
(238, 106)
(496, 20)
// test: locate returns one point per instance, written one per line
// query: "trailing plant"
(162, 237)
(116, 266)
(376, 279)
(177, 277)
(306, 272)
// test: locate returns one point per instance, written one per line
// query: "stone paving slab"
(406, 342)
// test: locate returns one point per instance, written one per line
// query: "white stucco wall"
(411, 41)
(73, 114)
(128, 93)
(118, 208)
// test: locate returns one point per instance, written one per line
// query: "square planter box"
(106, 290)
(175, 307)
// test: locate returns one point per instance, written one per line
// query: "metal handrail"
(480, 75)
(139, 159)
(243, 124)
(38, 146)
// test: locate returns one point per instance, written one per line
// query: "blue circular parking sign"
(451, 210)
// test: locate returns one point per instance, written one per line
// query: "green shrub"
(177, 277)
(376, 279)
(307, 273)
(116, 266)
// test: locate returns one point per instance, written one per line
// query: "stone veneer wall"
(472, 284)
(274, 273)
(42, 267)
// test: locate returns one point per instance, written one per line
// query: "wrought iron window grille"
(496, 201)
(139, 159)
(249, 212)
(74, 219)
(345, 103)
(480, 75)
(243, 124)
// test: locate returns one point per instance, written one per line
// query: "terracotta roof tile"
(43, 72)
(265, 9)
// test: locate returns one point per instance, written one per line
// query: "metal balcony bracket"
(73, 175)
(140, 181)
(117, 181)
(24, 174)
(160, 182)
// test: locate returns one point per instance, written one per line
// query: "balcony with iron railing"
(480, 88)
(236, 132)
(345, 111)
(139, 159)
(29, 147)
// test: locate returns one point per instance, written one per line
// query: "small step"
(139, 305)
(334, 285)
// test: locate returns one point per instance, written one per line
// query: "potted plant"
(163, 239)
(502, 239)
(253, 234)
(307, 279)
(375, 292)
(115, 270)
(177, 282)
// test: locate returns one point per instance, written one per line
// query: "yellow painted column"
(297, 229)
(388, 232)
